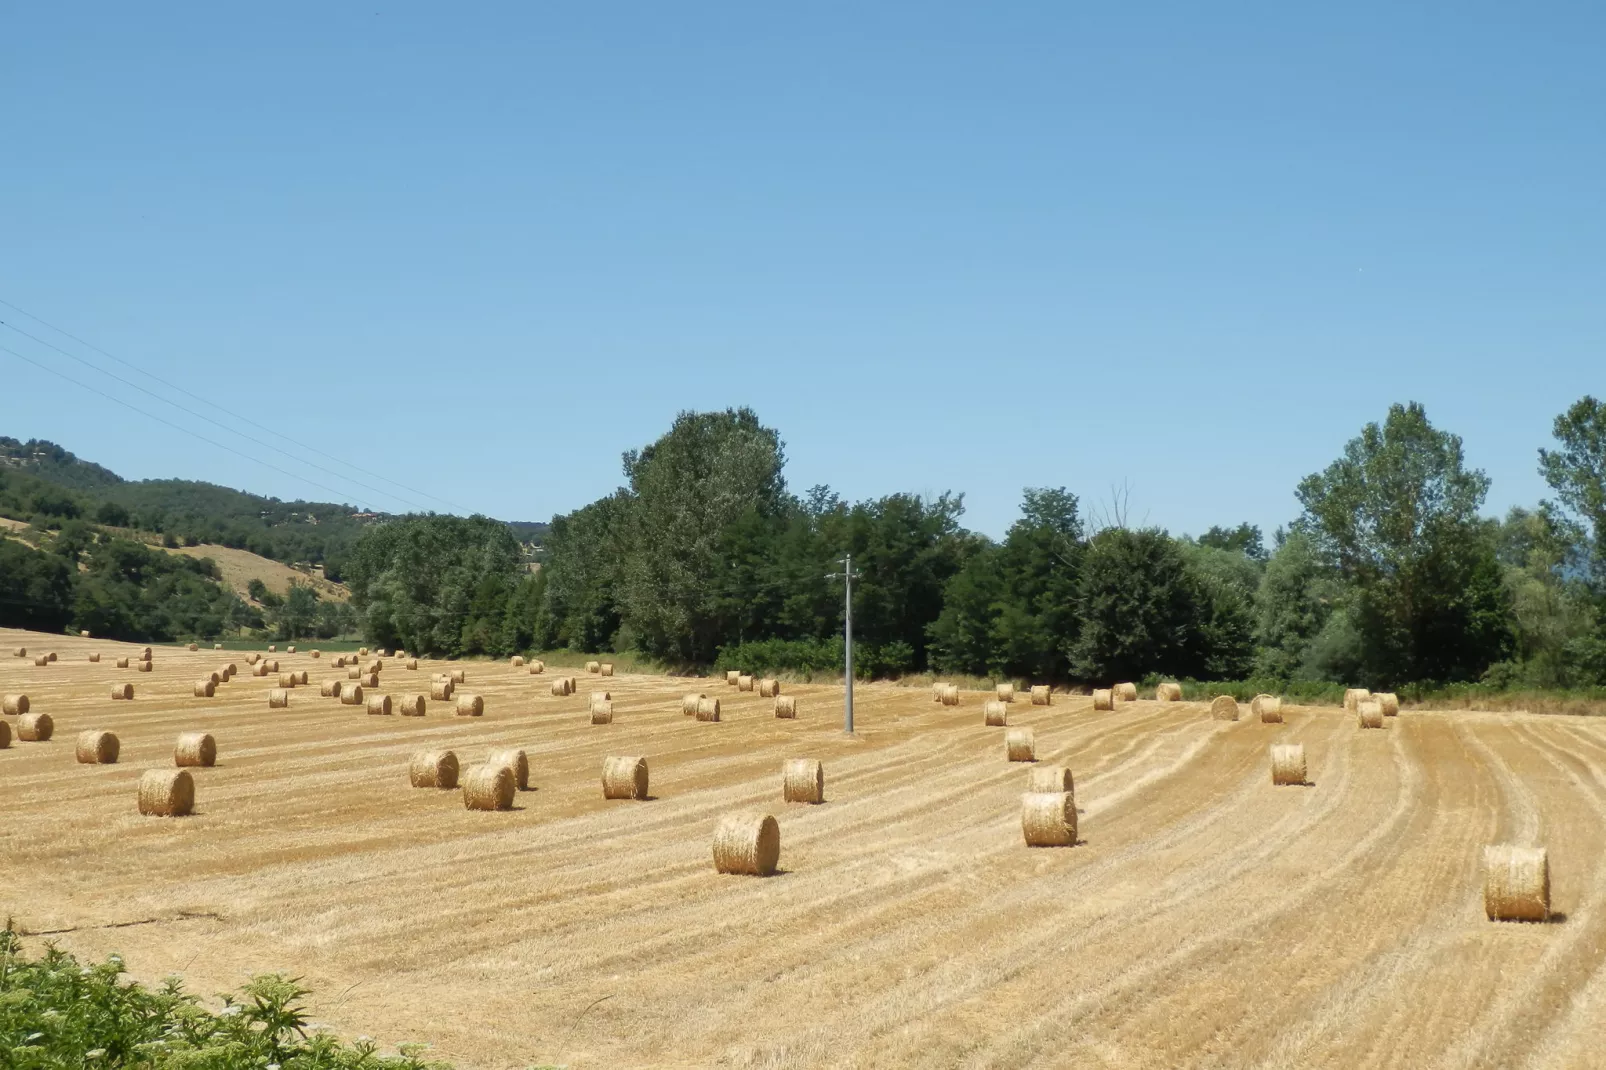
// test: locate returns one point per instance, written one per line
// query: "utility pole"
(847, 576)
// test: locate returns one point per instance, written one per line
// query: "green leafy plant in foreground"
(56, 1013)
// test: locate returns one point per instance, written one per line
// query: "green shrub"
(56, 1013)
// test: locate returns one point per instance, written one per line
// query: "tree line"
(1390, 573)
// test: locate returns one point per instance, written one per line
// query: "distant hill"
(48, 461)
(40, 478)
(528, 530)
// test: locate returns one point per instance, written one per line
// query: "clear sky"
(484, 248)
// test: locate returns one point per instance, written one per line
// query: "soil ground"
(1205, 919)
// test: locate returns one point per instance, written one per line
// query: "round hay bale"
(410, 705)
(1389, 701)
(230, 669)
(560, 687)
(315, 654)
(378, 705)
(708, 709)
(488, 787)
(1354, 696)
(995, 714)
(936, 691)
(1048, 818)
(1269, 708)
(369, 679)
(278, 699)
(599, 696)
(459, 676)
(94, 658)
(747, 844)
(786, 707)
(205, 688)
(1042, 695)
(35, 727)
(688, 704)
(216, 678)
(1288, 763)
(329, 689)
(166, 793)
(145, 654)
(252, 658)
(20, 652)
(769, 687)
(1516, 883)
(41, 661)
(1103, 699)
(440, 690)
(192, 648)
(624, 778)
(301, 678)
(1369, 713)
(377, 665)
(733, 677)
(1020, 744)
(950, 695)
(122, 663)
(261, 669)
(412, 664)
(290, 649)
(97, 748)
(142, 666)
(1168, 692)
(353, 673)
(215, 646)
(271, 664)
(15, 705)
(517, 762)
(593, 666)
(537, 667)
(802, 780)
(195, 749)
(1004, 692)
(470, 706)
(1127, 692)
(744, 683)
(351, 694)
(273, 648)
(5, 734)
(517, 661)
(433, 769)
(287, 679)
(1050, 778)
(574, 684)
(122, 692)
(362, 651)
(602, 712)
(340, 661)
(607, 668)
(51, 657)
(1224, 708)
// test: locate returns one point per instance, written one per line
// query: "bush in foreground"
(56, 1013)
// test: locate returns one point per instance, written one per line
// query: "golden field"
(1204, 919)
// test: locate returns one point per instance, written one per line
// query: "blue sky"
(482, 249)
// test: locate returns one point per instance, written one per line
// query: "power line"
(169, 423)
(235, 415)
(208, 419)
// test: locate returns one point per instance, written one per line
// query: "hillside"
(240, 567)
(40, 478)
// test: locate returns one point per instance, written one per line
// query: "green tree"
(434, 584)
(1139, 609)
(1397, 518)
(1576, 471)
(686, 489)
(36, 588)
(1244, 539)
(1293, 603)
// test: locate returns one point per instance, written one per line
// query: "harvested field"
(1205, 917)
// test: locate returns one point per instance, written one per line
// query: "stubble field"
(1205, 918)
